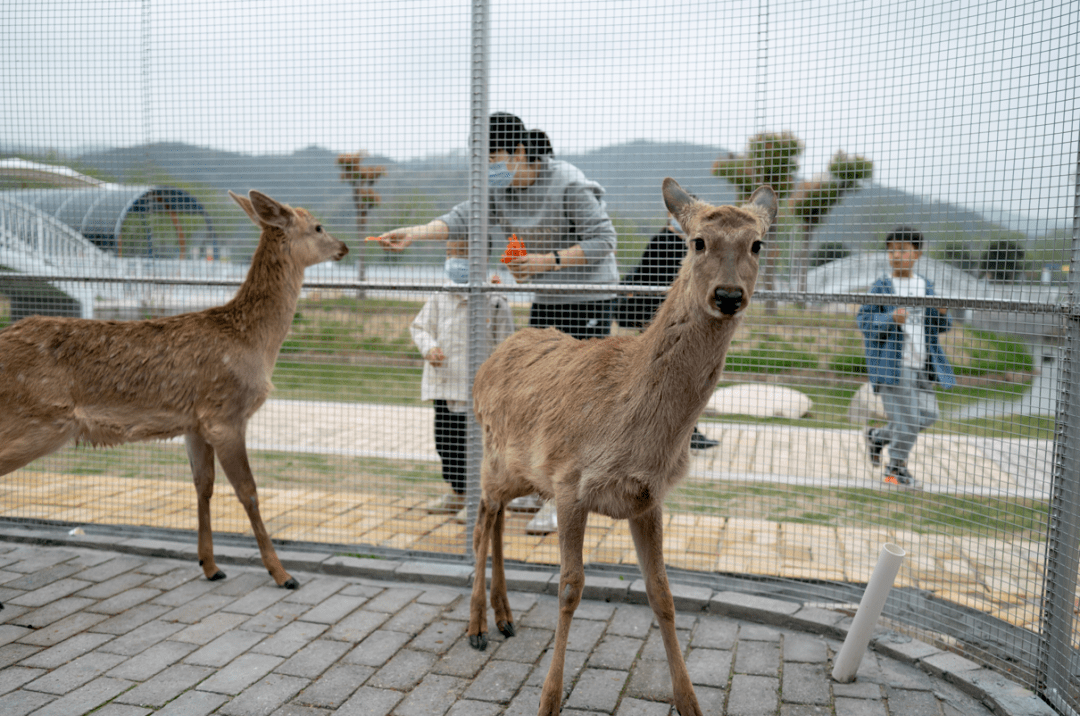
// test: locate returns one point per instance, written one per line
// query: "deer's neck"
(680, 360)
(264, 306)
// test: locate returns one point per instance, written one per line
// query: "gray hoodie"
(560, 209)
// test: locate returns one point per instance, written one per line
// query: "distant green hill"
(631, 173)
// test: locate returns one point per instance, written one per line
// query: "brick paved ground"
(1000, 577)
(88, 629)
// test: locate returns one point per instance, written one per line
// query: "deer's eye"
(318, 228)
(699, 244)
(756, 247)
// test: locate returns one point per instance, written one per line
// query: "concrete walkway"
(127, 626)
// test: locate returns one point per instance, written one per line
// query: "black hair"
(905, 235)
(538, 145)
(506, 131)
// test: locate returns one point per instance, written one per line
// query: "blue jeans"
(912, 407)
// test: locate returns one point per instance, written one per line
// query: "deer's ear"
(675, 198)
(764, 200)
(269, 211)
(245, 204)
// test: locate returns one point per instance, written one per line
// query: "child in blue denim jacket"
(904, 359)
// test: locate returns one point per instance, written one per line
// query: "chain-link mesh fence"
(124, 124)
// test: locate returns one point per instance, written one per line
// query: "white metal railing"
(24, 228)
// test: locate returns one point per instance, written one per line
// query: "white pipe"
(866, 616)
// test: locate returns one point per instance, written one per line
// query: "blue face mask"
(499, 177)
(457, 270)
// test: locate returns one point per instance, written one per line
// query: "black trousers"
(588, 319)
(450, 442)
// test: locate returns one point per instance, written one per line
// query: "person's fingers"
(394, 240)
(520, 267)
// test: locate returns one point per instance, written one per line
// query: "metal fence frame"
(1051, 672)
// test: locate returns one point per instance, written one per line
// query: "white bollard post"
(866, 616)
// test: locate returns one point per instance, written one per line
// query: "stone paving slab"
(353, 644)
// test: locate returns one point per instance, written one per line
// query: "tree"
(814, 199)
(770, 158)
(362, 177)
(1003, 260)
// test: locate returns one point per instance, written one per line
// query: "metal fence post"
(1063, 539)
(478, 241)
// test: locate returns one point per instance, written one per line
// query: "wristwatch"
(558, 260)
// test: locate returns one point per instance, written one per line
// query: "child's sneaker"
(874, 446)
(699, 441)
(545, 522)
(899, 475)
(527, 503)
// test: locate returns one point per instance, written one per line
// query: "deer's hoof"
(478, 641)
(290, 583)
(216, 576)
(507, 629)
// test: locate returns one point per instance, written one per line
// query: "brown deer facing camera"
(201, 375)
(604, 425)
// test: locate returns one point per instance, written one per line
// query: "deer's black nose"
(728, 301)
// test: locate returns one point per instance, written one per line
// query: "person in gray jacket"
(561, 218)
(558, 214)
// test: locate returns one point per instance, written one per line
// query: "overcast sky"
(973, 102)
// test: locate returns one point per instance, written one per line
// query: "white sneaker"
(447, 504)
(528, 503)
(545, 521)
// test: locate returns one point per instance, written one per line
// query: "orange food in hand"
(514, 249)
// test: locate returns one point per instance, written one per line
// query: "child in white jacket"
(441, 332)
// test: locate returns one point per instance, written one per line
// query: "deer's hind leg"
(500, 603)
(201, 458)
(232, 453)
(486, 521)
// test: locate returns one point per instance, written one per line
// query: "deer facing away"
(604, 425)
(201, 375)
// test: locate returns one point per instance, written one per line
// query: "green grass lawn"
(323, 379)
(154, 461)
(857, 507)
(361, 350)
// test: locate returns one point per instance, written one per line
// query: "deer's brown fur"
(604, 425)
(201, 375)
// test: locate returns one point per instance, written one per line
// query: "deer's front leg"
(233, 456)
(571, 584)
(201, 458)
(648, 532)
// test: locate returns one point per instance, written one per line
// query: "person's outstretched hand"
(397, 240)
